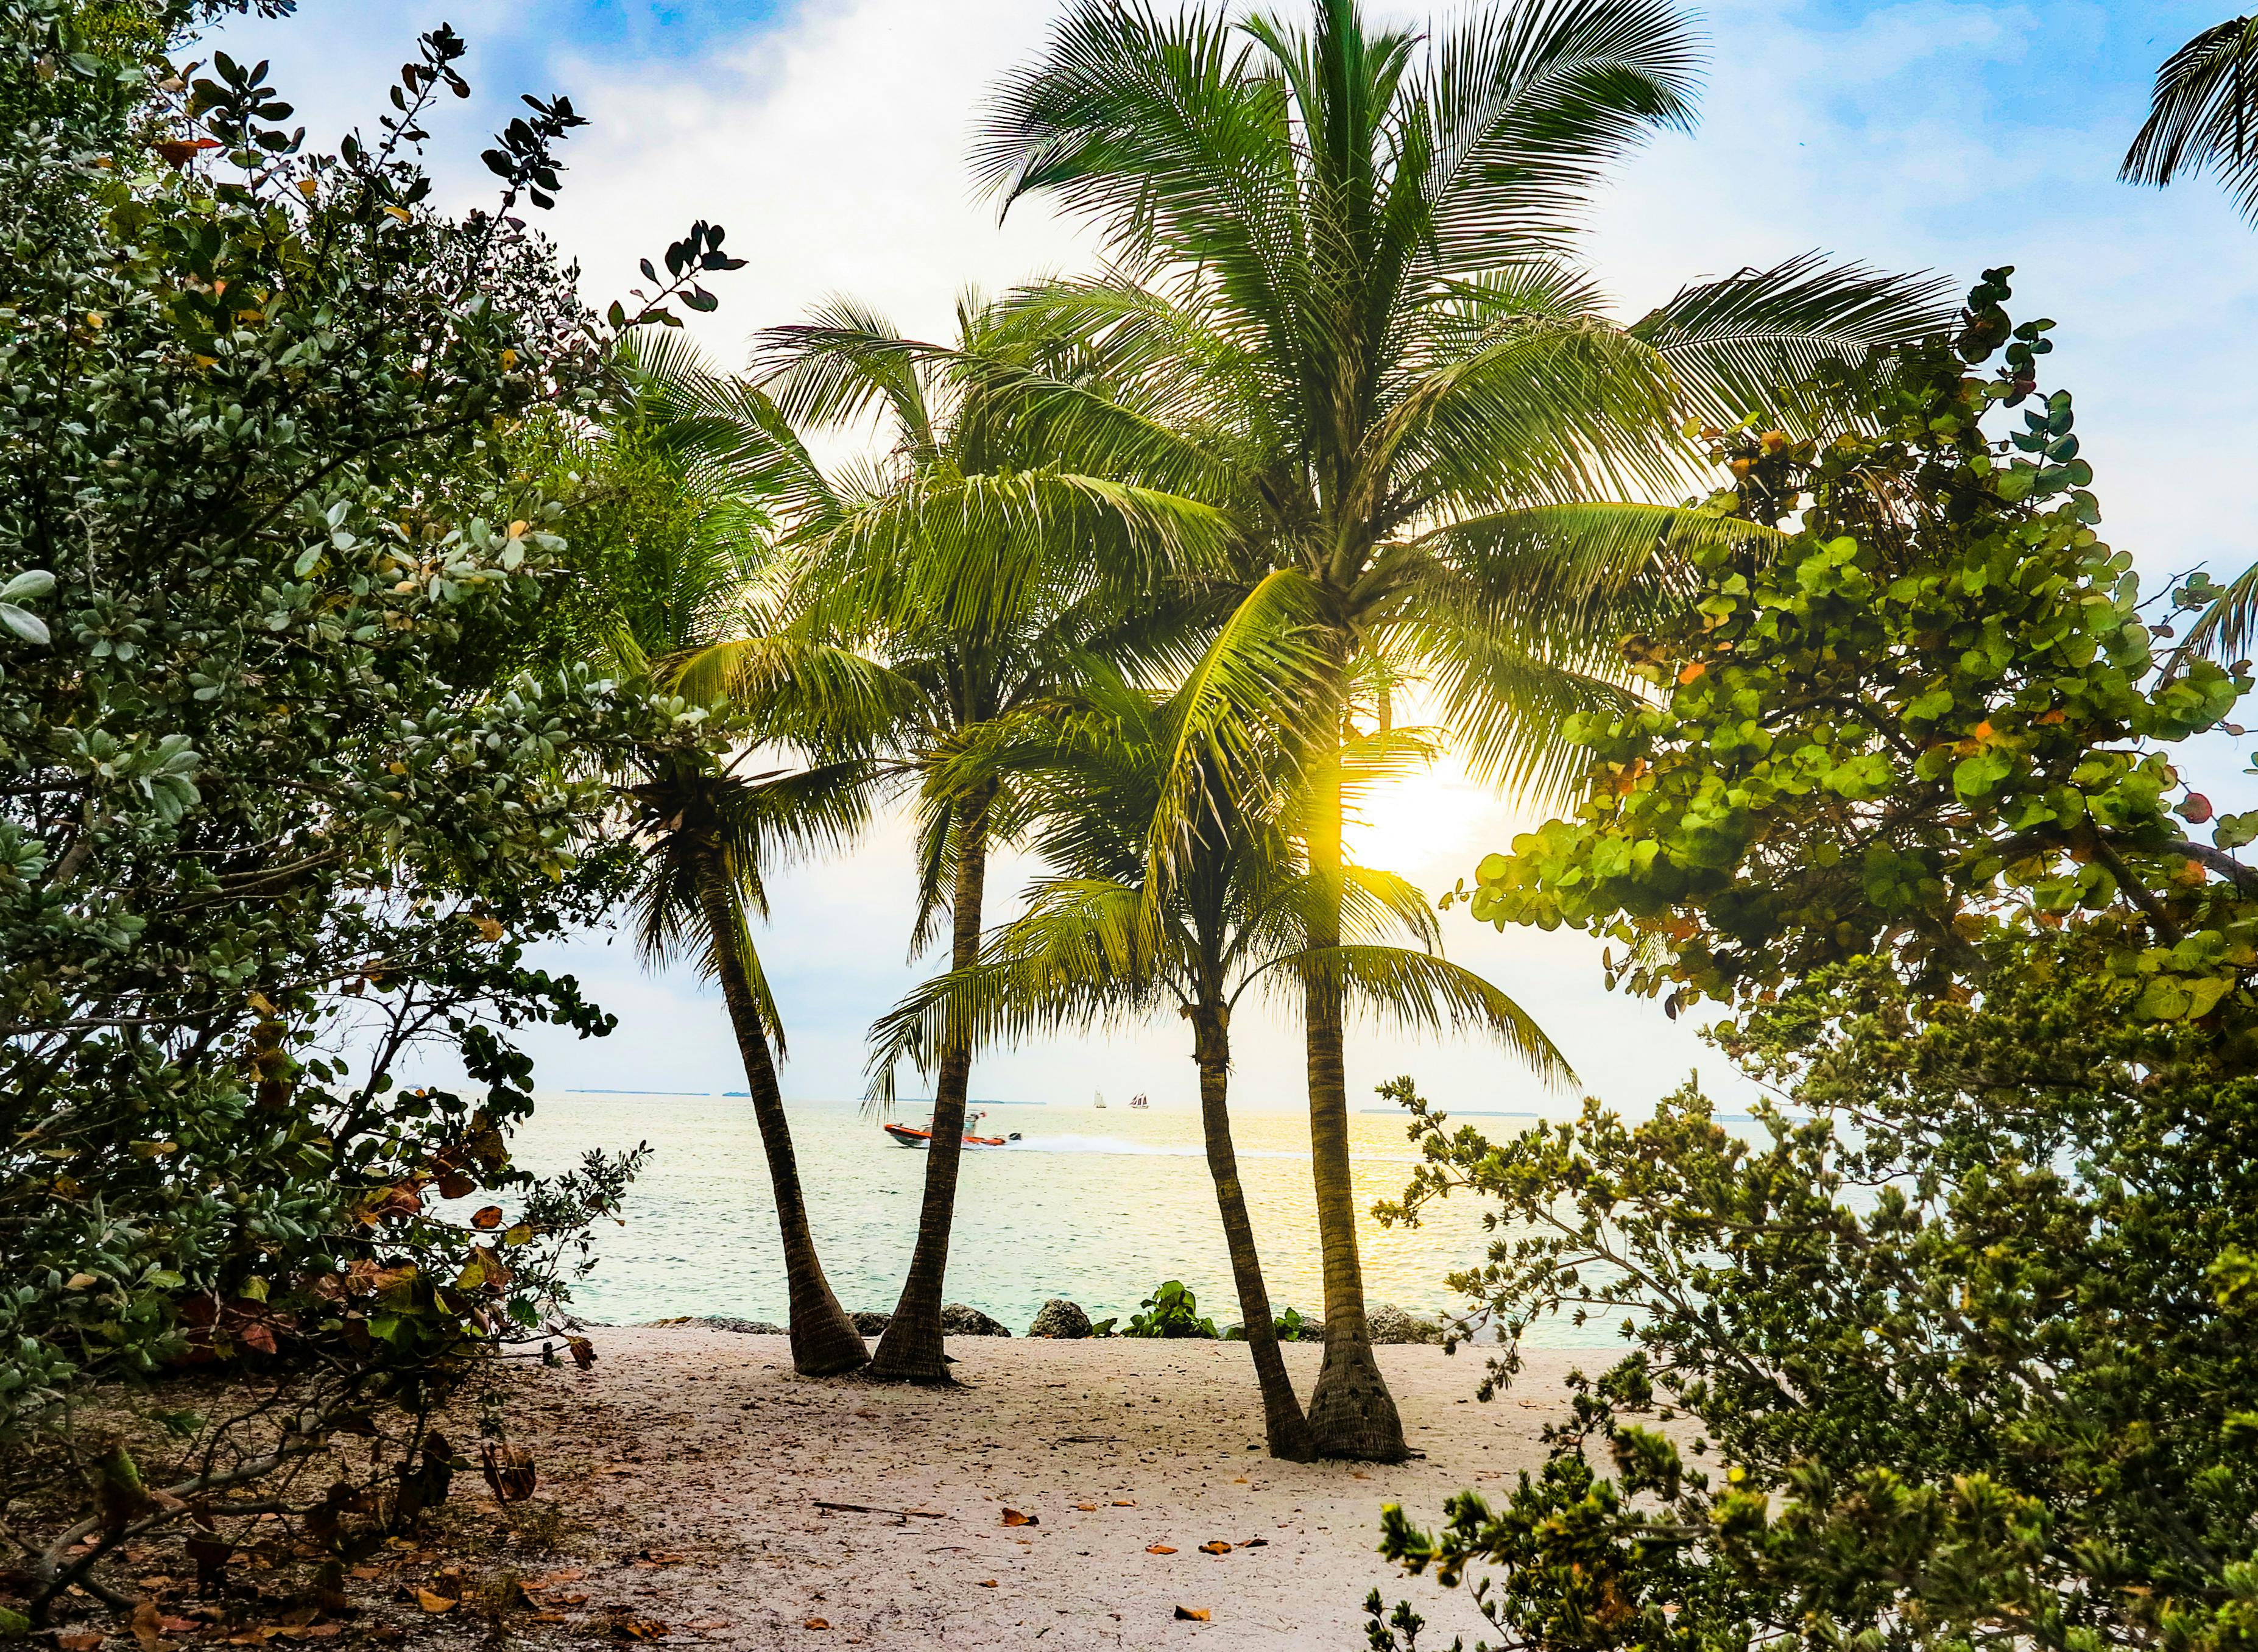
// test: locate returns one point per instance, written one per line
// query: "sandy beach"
(715, 1486)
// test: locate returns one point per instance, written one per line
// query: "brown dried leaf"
(489, 1217)
(817, 1623)
(1125, 1502)
(510, 1471)
(1013, 1517)
(1216, 1547)
(985, 1583)
(148, 1625)
(1087, 1508)
(434, 1603)
(1158, 1548)
(1256, 1542)
(1192, 1614)
(78, 1642)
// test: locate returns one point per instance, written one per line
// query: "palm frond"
(1747, 344)
(2203, 114)
(1086, 949)
(1528, 105)
(2225, 629)
(1426, 994)
(1242, 692)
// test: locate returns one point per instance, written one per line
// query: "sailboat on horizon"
(1101, 1098)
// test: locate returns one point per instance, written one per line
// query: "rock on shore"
(957, 1320)
(1392, 1324)
(1060, 1318)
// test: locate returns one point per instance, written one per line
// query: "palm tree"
(978, 571)
(1232, 915)
(1342, 311)
(707, 832)
(2203, 114)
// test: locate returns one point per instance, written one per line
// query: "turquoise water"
(1095, 1206)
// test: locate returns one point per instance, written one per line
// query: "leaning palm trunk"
(1283, 1427)
(1351, 1415)
(824, 1341)
(911, 1350)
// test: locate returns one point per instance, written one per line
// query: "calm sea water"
(1096, 1206)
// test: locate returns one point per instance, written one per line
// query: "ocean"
(1096, 1206)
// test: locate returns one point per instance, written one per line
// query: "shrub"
(1965, 1318)
(264, 800)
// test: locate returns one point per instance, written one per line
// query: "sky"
(829, 135)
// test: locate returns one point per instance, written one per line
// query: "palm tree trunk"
(910, 1349)
(1351, 1414)
(824, 1341)
(1283, 1426)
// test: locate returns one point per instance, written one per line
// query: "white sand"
(704, 1444)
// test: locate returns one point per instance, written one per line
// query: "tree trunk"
(1351, 1414)
(824, 1341)
(910, 1349)
(1283, 1426)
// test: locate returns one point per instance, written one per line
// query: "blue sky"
(828, 136)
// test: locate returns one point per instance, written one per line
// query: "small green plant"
(1170, 1311)
(1291, 1326)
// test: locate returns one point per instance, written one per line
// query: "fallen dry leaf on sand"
(637, 1629)
(1192, 1614)
(985, 1583)
(1218, 1547)
(817, 1623)
(648, 1558)
(146, 1628)
(1255, 1543)
(1087, 1508)
(78, 1642)
(1013, 1517)
(1159, 1548)
(430, 1602)
(1125, 1502)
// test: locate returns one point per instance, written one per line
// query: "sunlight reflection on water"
(1097, 1209)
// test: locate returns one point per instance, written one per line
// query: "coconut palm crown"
(1342, 310)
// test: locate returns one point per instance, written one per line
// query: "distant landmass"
(598, 1092)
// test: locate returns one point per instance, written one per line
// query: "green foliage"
(271, 819)
(1963, 1314)
(1171, 1310)
(1931, 713)
(1967, 1322)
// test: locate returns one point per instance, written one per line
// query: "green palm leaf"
(2203, 114)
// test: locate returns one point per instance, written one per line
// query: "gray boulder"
(1059, 1317)
(870, 1325)
(1392, 1324)
(957, 1320)
(743, 1327)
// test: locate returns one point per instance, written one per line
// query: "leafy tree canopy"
(1928, 714)
(265, 797)
(1962, 1316)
